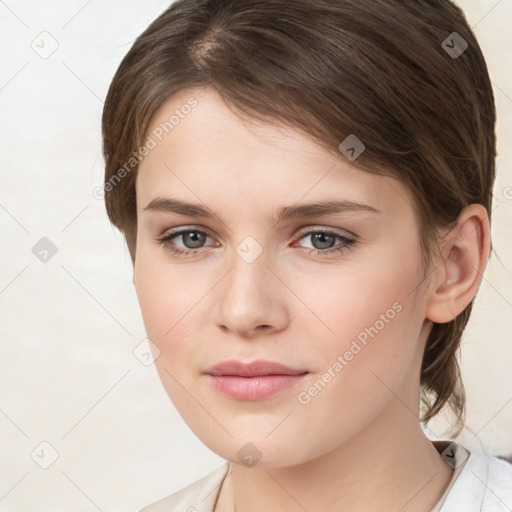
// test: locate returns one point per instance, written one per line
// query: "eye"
(323, 241)
(191, 238)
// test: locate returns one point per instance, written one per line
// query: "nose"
(252, 299)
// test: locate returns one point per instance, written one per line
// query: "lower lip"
(253, 388)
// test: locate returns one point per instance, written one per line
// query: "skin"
(358, 444)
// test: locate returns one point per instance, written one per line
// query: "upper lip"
(252, 369)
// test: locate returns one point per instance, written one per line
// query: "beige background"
(68, 374)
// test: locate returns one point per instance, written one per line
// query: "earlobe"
(460, 271)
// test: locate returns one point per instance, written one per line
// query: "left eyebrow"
(172, 205)
(322, 208)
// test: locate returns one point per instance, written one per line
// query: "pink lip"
(253, 381)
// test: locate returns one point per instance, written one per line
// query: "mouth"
(253, 381)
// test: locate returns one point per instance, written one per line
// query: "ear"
(458, 273)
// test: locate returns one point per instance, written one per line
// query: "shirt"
(480, 483)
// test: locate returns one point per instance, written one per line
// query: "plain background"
(69, 326)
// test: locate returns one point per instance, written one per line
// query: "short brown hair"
(407, 78)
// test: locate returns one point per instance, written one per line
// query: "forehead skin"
(247, 170)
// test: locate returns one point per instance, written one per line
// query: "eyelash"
(166, 239)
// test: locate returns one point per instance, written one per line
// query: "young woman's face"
(333, 296)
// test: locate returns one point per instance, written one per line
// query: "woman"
(305, 189)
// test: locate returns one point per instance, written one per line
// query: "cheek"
(171, 310)
(366, 328)
(361, 300)
(358, 373)
(165, 293)
(174, 301)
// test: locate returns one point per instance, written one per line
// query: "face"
(328, 294)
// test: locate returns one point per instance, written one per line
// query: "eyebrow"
(171, 205)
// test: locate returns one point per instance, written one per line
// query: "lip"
(252, 369)
(253, 381)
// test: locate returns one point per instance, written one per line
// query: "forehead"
(202, 149)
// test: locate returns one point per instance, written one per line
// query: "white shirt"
(480, 483)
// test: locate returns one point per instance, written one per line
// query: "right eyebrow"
(167, 204)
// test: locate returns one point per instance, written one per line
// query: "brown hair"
(384, 70)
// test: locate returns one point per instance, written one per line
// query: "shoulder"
(198, 496)
(485, 483)
(499, 483)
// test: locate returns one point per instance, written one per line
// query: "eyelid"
(186, 228)
(323, 229)
(177, 232)
(303, 231)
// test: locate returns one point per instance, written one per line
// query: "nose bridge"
(248, 295)
(249, 276)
